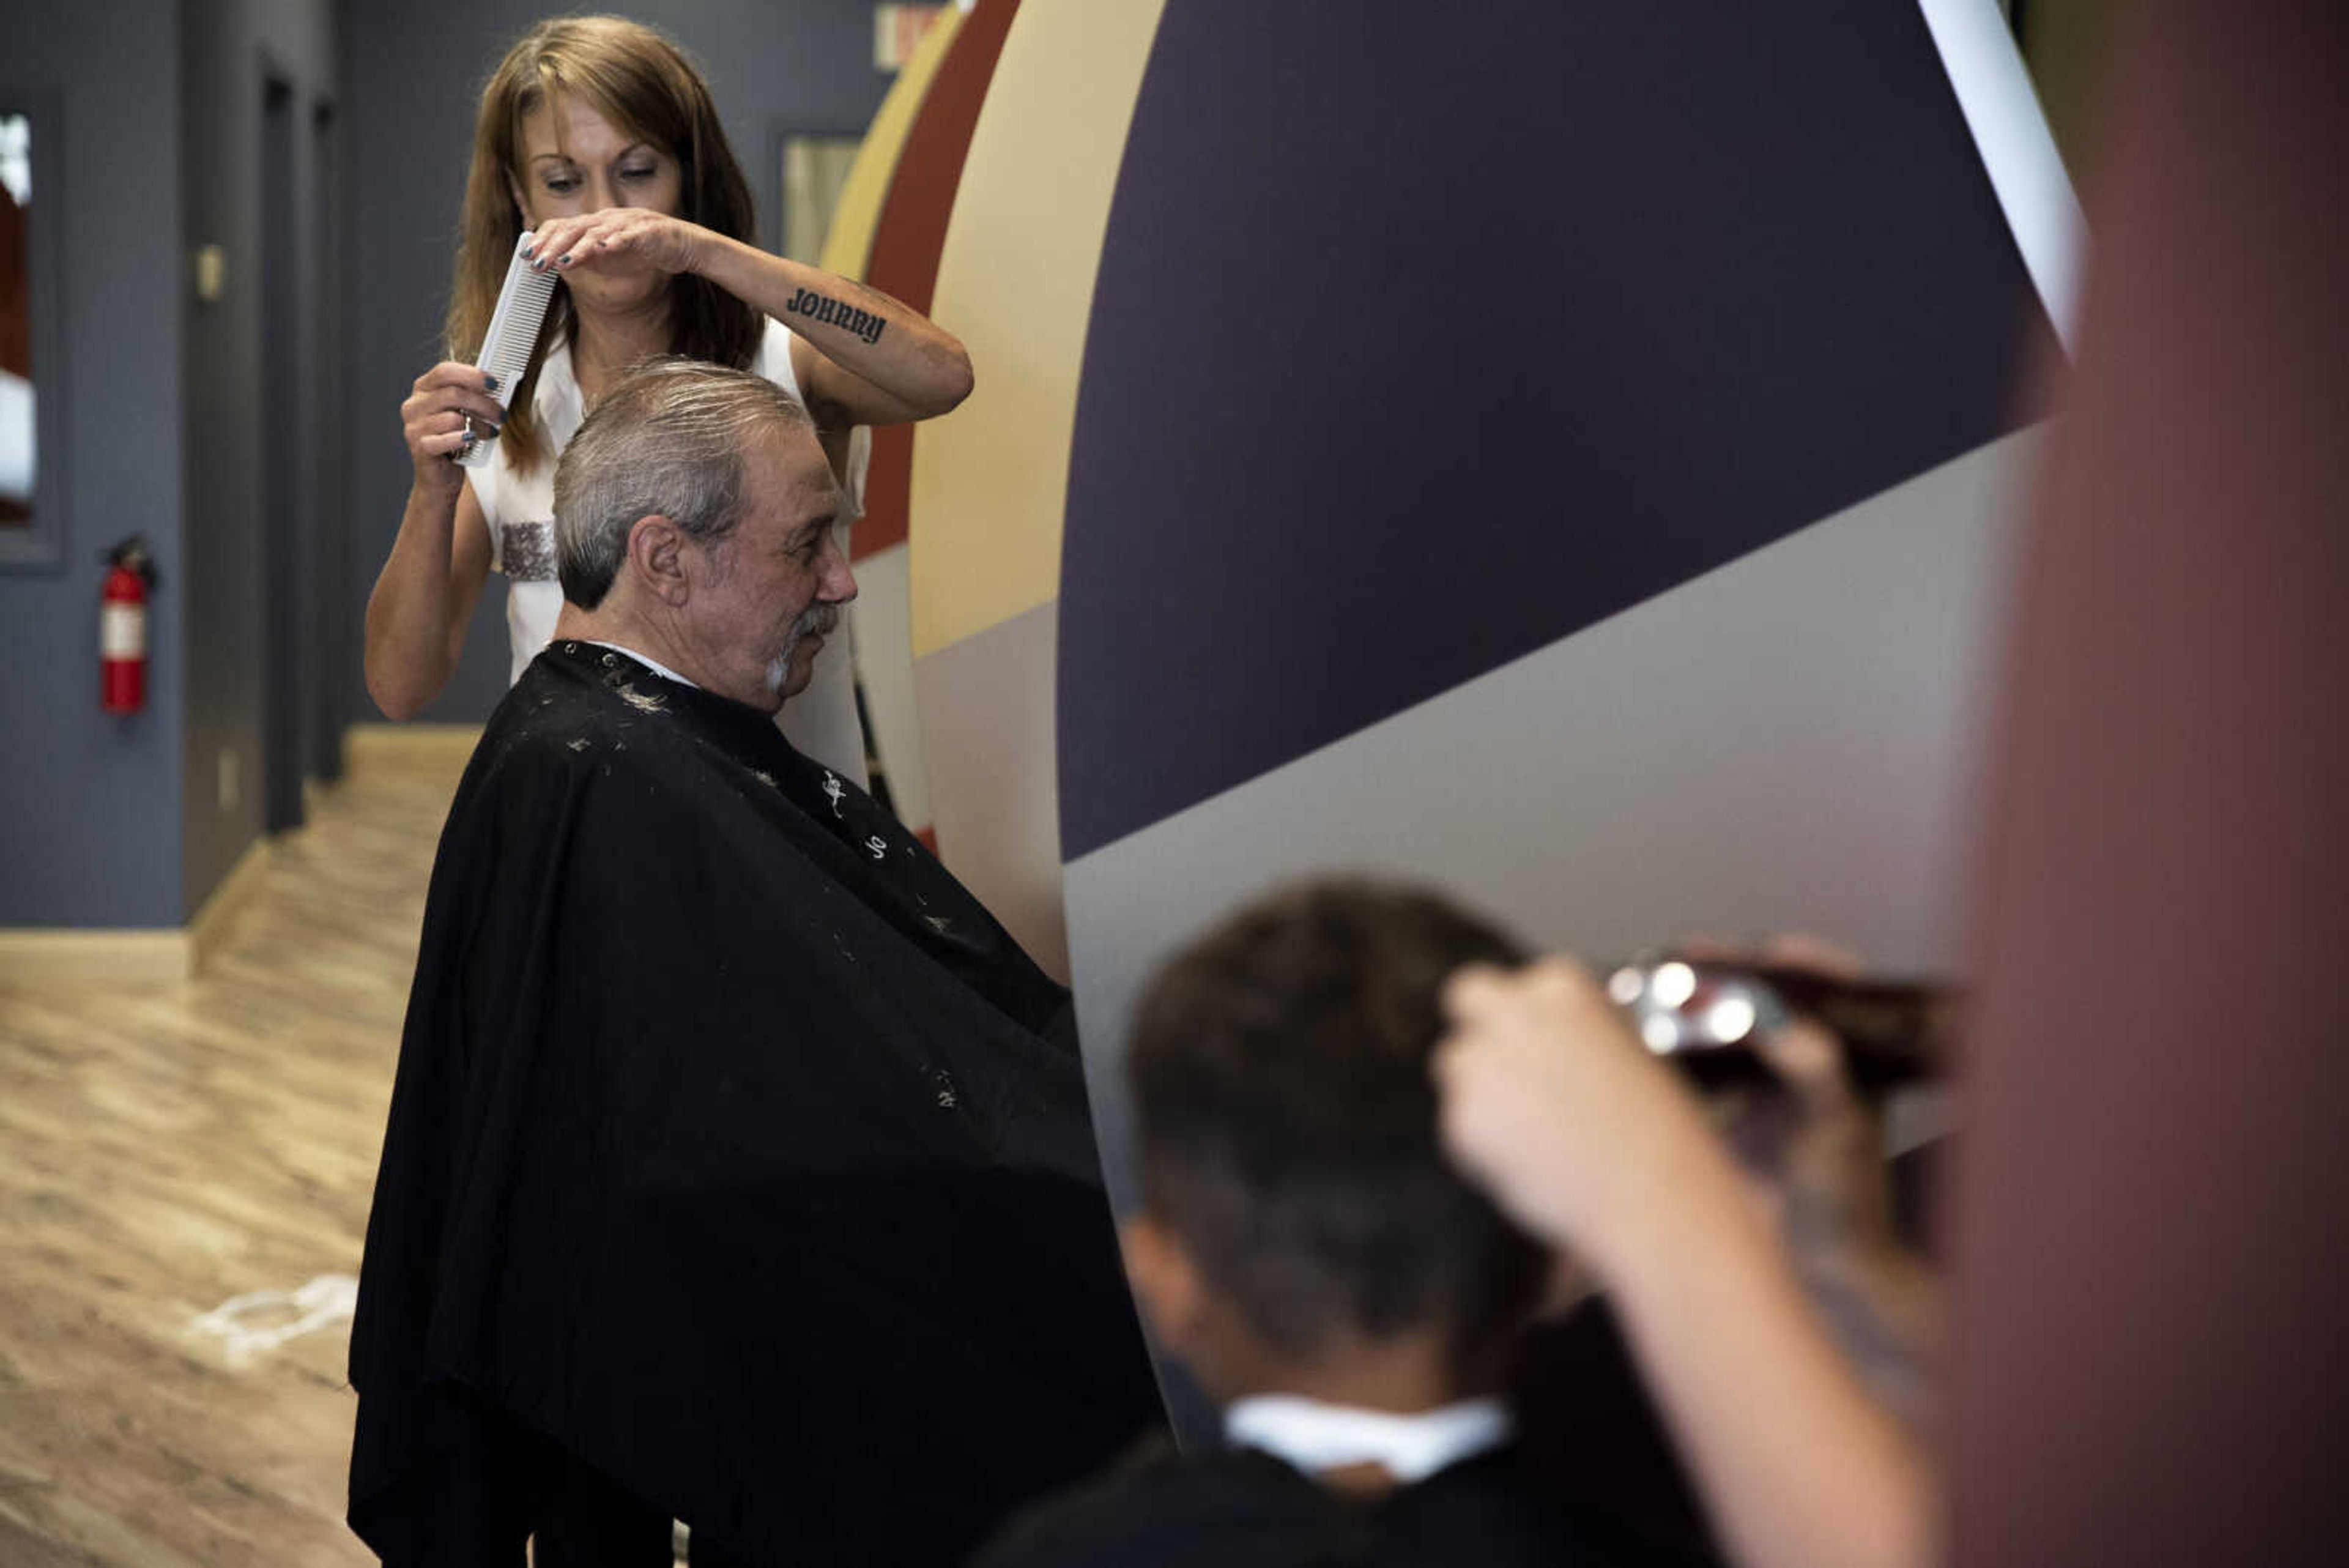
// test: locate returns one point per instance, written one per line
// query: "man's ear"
(656, 560)
(1166, 1280)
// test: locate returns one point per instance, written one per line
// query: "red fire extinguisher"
(122, 626)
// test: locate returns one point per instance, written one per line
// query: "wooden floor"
(165, 1149)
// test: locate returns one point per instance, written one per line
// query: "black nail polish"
(489, 382)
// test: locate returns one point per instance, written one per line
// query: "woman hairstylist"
(599, 135)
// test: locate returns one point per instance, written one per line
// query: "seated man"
(738, 1165)
(1306, 1248)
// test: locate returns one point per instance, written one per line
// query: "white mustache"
(816, 620)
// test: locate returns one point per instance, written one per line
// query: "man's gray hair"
(666, 438)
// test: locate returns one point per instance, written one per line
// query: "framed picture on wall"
(32, 368)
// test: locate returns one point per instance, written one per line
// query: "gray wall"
(414, 73)
(89, 803)
(243, 436)
(174, 428)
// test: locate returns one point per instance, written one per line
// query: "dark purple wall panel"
(1418, 346)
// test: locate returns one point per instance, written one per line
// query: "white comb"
(514, 332)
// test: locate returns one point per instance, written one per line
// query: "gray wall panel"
(988, 741)
(1782, 743)
(90, 813)
(237, 425)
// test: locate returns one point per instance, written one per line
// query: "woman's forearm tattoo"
(836, 313)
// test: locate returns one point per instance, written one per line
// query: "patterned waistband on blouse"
(526, 552)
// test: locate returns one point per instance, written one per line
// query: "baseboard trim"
(149, 955)
(137, 955)
(410, 743)
(226, 901)
(133, 956)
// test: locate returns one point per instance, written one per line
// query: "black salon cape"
(735, 1149)
(1245, 1508)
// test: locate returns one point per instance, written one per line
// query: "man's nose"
(838, 582)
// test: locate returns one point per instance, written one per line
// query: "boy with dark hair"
(1306, 1247)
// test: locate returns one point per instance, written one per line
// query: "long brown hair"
(644, 85)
